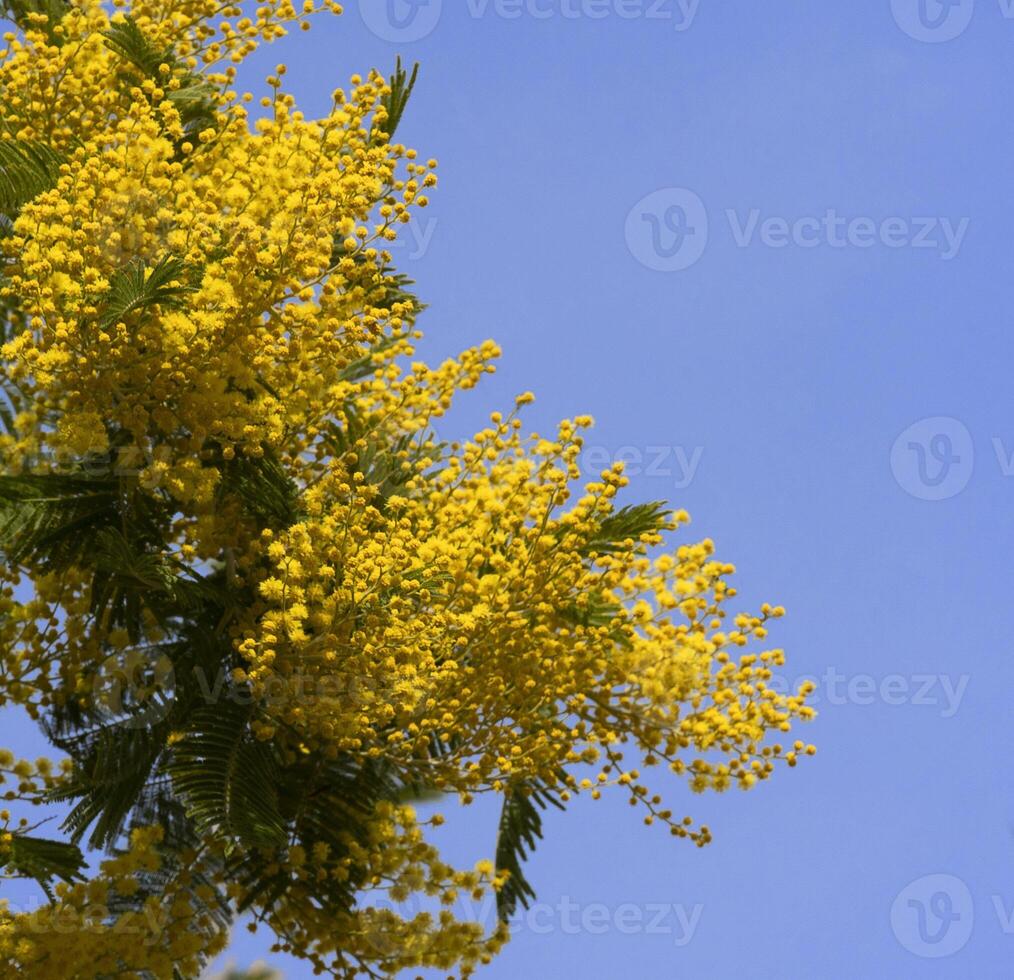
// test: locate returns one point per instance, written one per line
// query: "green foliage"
(401, 85)
(323, 802)
(44, 860)
(264, 490)
(591, 611)
(520, 827)
(627, 524)
(227, 780)
(128, 41)
(26, 170)
(53, 521)
(138, 286)
(194, 99)
(11, 320)
(113, 766)
(386, 464)
(125, 578)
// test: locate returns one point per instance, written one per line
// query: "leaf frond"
(27, 168)
(520, 827)
(44, 860)
(138, 287)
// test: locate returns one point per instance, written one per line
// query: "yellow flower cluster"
(43, 641)
(80, 935)
(483, 610)
(378, 937)
(274, 228)
(466, 614)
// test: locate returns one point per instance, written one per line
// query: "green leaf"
(128, 40)
(520, 827)
(194, 98)
(626, 524)
(113, 766)
(324, 802)
(125, 575)
(264, 489)
(227, 779)
(591, 611)
(26, 170)
(53, 520)
(44, 860)
(401, 85)
(138, 286)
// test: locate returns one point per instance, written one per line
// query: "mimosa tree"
(255, 603)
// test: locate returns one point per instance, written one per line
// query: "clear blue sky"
(787, 357)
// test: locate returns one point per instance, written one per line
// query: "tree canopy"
(257, 604)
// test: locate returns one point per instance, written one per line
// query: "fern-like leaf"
(328, 804)
(44, 860)
(53, 520)
(626, 524)
(26, 170)
(138, 286)
(520, 827)
(264, 489)
(109, 779)
(401, 85)
(228, 780)
(193, 97)
(128, 40)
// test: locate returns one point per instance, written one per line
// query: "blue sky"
(765, 245)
